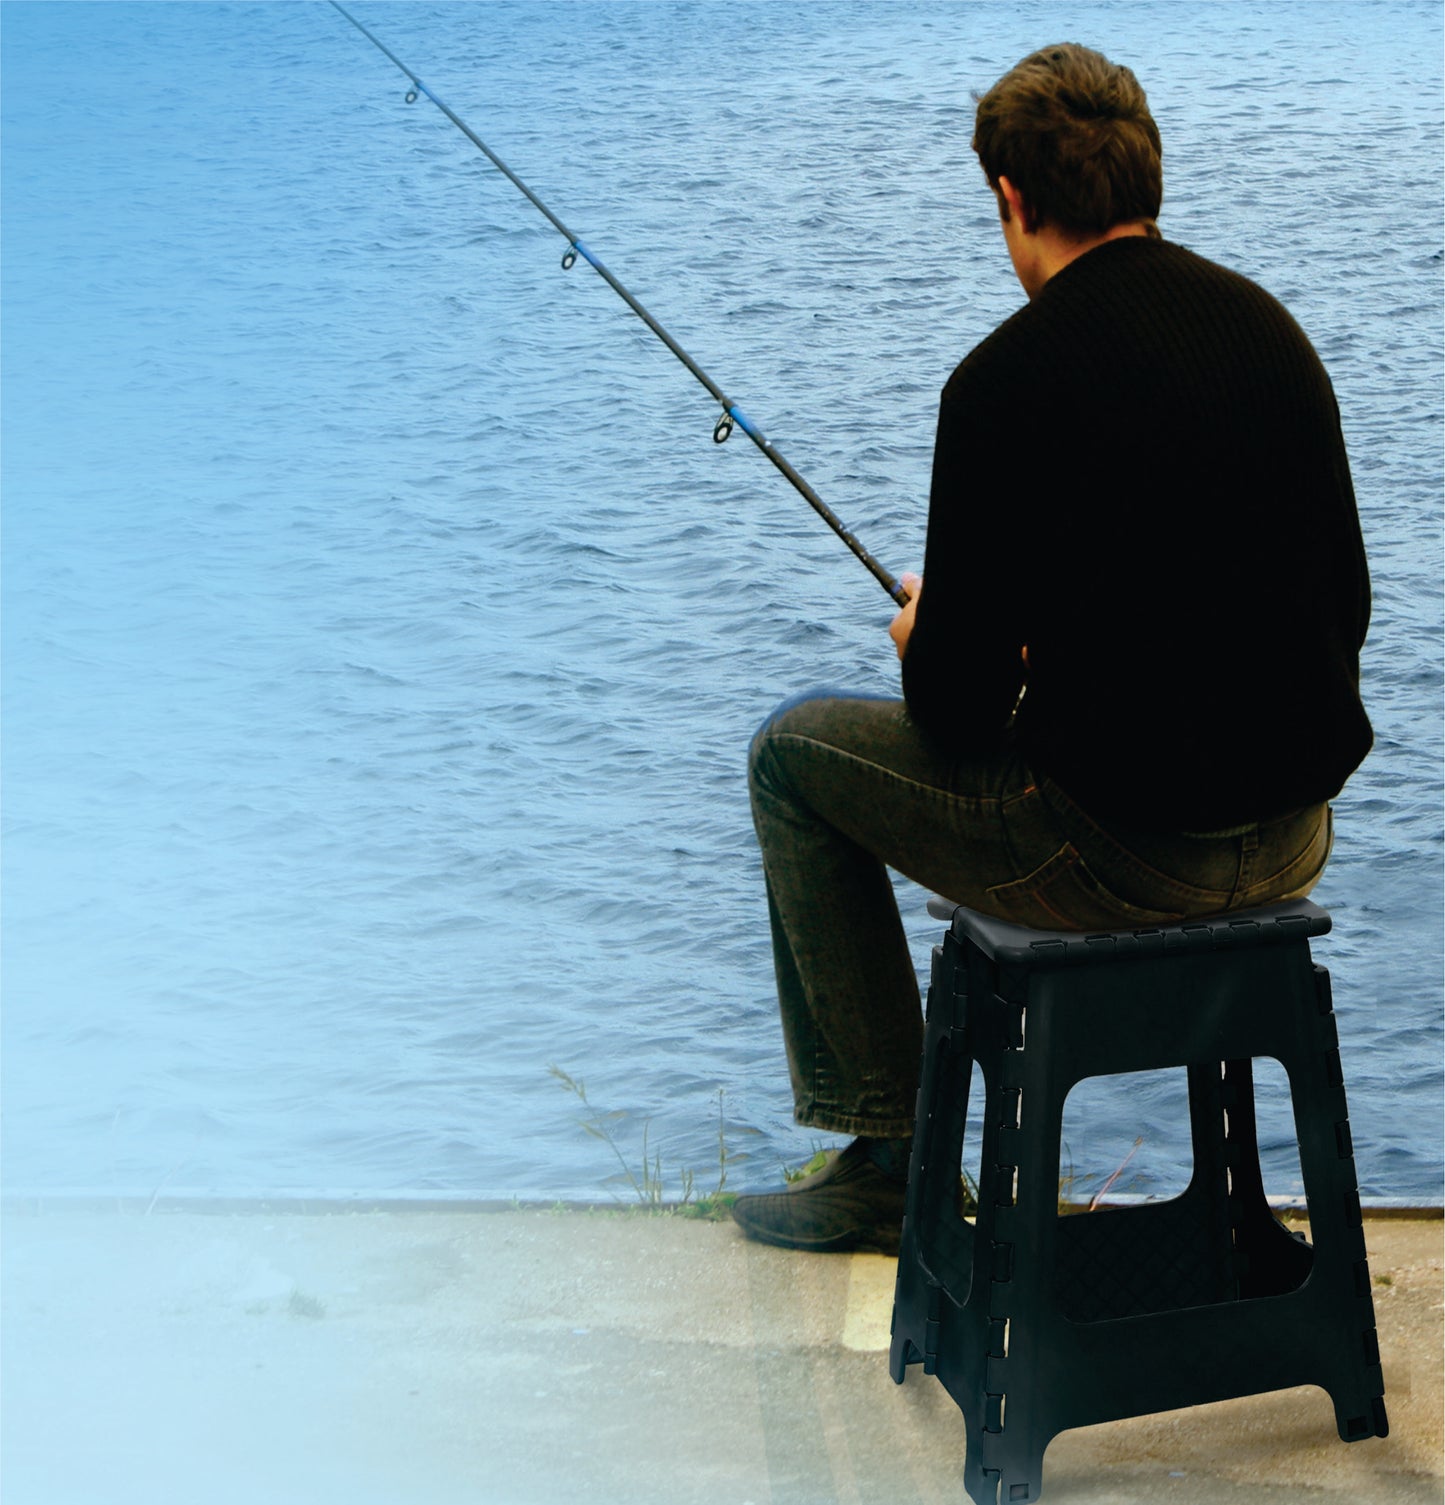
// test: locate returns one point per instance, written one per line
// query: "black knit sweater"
(1141, 477)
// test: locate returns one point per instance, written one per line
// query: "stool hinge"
(1371, 1340)
(960, 973)
(993, 1410)
(995, 1393)
(1003, 1266)
(1005, 1196)
(934, 991)
(931, 1325)
(997, 1338)
(1324, 997)
(959, 1016)
(991, 1443)
(1361, 1271)
(1010, 1018)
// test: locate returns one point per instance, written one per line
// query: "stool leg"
(1269, 1259)
(936, 1254)
(1336, 1223)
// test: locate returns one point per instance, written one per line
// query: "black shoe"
(848, 1205)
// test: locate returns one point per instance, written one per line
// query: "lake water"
(384, 631)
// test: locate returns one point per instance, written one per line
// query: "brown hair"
(1073, 133)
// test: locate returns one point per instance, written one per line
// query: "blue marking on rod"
(750, 428)
(581, 249)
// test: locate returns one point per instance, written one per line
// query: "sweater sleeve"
(963, 667)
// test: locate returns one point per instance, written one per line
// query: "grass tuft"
(646, 1179)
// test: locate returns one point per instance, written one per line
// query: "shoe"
(847, 1205)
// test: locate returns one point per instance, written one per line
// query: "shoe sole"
(854, 1241)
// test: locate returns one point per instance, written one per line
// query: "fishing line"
(732, 415)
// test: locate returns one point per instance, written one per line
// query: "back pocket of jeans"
(1063, 894)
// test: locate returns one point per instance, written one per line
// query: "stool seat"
(1036, 1322)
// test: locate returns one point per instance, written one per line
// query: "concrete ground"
(413, 1357)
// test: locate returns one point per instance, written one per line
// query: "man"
(1141, 512)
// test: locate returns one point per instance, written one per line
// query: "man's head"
(1072, 133)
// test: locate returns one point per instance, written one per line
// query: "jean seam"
(1188, 897)
(1285, 875)
(892, 774)
(1247, 882)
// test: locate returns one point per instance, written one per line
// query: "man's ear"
(1017, 208)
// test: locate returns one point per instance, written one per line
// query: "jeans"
(845, 787)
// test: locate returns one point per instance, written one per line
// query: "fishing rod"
(732, 415)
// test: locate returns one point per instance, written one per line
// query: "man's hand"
(902, 626)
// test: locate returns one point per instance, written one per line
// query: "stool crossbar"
(1037, 1322)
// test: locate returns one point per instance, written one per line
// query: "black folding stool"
(1035, 1322)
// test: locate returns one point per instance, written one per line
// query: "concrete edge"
(297, 1202)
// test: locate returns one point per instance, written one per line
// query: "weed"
(300, 1305)
(1071, 1194)
(1118, 1171)
(646, 1180)
(797, 1172)
(967, 1195)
